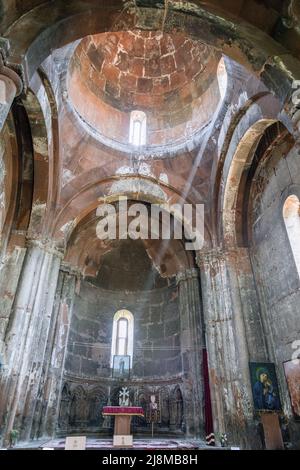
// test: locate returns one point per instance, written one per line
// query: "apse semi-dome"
(170, 78)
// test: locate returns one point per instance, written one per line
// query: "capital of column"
(46, 245)
(219, 254)
(73, 271)
(204, 257)
(187, 274)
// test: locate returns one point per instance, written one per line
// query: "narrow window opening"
(122, 339)
(122, 335)
(137, 132)
(137, 138)
(291, 215)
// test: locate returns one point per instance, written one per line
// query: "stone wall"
(157, 363)
(167, 339)
(156, 332)
(275, 270)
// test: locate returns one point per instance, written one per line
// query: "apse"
(137, 281)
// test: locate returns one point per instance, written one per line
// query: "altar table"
(123, 415)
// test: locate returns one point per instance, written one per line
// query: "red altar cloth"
(123, 410)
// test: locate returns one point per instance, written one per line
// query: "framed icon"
(264, 386)
(121, 367)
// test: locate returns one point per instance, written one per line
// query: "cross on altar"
(124, 397)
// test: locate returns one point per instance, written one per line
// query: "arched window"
(291, 215)
(122, 335)
(137, 131)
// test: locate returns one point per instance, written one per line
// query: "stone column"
(10, 271)
(191, 333)
(48, 405)
(10, 87)
(10, 262)
(234, 336)
(26, 337)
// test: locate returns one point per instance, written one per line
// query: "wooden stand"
(122, 436)
(272, 431)
(123, 415)
(122, 425)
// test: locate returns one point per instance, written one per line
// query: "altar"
(123, 415)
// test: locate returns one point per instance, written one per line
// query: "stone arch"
(85, 249)
(257, 108)
(176, 408)
(255, 141)
(32, 166)
(55, 25)
(141, 189)
(78, 406)
(242, 160)
(97, 398)
(142, 400)
(165, 406)
(64, 407)
(24, 177)
(40, 159)
(46, 146)
(9, 164)
(241, 134)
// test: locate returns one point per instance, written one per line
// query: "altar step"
(106, 444)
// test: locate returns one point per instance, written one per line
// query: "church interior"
(156, 102)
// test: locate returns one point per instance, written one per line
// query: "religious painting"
(121, 367)
(264, 386)
(292, 374)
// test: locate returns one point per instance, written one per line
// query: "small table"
(123, 415)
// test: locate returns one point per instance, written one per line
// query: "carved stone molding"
(188, 274)
(12, 75)
(46, 245)
(67, 268)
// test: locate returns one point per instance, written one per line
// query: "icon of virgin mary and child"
(264, 392)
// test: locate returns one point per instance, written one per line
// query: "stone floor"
(102, 444)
